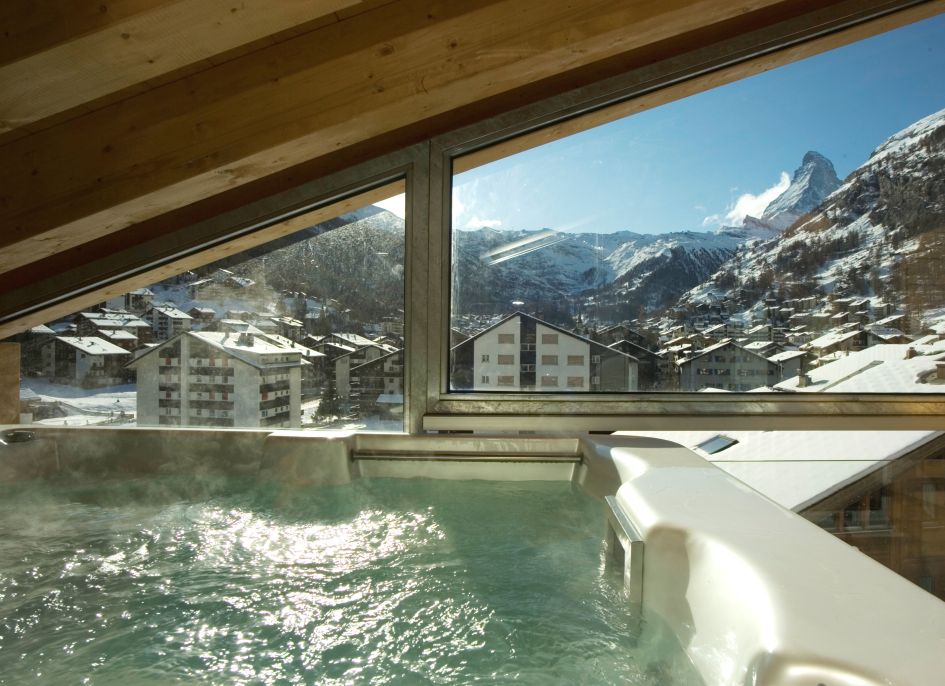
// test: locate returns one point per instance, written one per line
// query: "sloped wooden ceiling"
(121, 120)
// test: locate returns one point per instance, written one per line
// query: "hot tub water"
(382, 581)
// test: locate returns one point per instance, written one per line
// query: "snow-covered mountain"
(618, 273)
(550, 271)
(813, 181)
(880, 234)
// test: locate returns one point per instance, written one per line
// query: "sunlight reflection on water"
(383, 581)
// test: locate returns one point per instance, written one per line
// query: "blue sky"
(705, 160)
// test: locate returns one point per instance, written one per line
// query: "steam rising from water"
(376, 582)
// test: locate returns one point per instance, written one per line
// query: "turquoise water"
(381, 581)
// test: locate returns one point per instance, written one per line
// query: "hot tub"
(751, 592)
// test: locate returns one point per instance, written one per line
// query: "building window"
(549, 339)
(575, 382)
(575, 360)
(506, 380)
(484, 379)
(485, 357)
(506, 338)
(549, 360)
(549, 381)
(506, 359)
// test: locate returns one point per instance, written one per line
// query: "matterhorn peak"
(812, 182)
(814, 157)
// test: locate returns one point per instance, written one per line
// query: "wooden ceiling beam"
(129, 53)
(308, 97)
(29, 27)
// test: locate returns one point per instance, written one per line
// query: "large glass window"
(784, 231)
(306, 331)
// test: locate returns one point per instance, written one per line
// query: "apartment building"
(215, 378)
(523, 353)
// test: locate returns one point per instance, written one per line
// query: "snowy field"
(86, 406)
(90, 406)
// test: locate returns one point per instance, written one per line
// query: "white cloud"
(395, 205)
(476, 223)
(712, 220)
(754, 205)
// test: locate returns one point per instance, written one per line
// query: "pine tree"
(329, 405)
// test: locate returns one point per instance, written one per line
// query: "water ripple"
(381, 582)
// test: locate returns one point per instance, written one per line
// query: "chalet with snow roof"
(289, 327)
(791, 363)
(878, 335)
(87, 361)
(92, 323)
(838, 341)
(726, 366)
(377, 387)
(202, 315)
(523, 353)
(168, 321)
(121, 338)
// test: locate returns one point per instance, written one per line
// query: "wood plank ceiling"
(121, 120)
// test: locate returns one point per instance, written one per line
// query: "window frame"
(598, 103)
(427, 168)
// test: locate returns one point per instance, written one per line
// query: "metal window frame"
(443, 410)
(427, 170)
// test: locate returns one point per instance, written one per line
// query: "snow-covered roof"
(28, 394)
(885, 332)
(42, 329)
(171, 312)
(92, 345)
(786, 355)
(798, 469)
(239, 326)
(289, 344)
(916, 375)
(355, 339)
(721, 344)
(259, 345)
(756, 346)
(342, 348)
(119, 335)
(832, 338)
(848, 374)
(114, 319)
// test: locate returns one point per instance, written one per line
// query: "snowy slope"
(877, 235)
